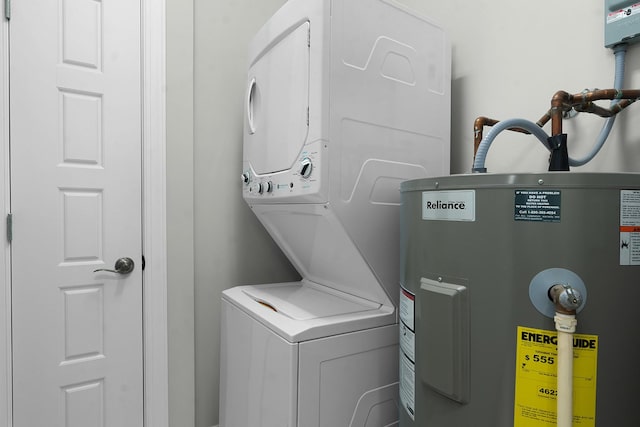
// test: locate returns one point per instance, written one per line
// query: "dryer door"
(277, 104)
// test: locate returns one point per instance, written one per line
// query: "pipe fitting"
(565, 323)
(566, 299)
(559, 160)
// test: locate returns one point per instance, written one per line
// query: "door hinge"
(7, 9)
(308, 35)
(144, 263)
(9, 227)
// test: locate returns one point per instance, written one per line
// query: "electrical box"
(621, 22)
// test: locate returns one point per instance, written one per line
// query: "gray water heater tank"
(478, 256)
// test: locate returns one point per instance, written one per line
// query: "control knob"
(306, 167)
(246, 178)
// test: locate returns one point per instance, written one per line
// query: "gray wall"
(509, 58)
(231, 247)
(180, 211)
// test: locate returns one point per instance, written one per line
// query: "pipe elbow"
(560, 98)
(566, 299)
(478, 130)
(558, 102)
(482, 121)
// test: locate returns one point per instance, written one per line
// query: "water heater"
(479, 256)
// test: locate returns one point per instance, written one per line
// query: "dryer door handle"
(251, 100)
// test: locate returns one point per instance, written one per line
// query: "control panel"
(302, 179)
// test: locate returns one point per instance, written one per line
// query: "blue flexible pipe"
(481, 155)
(483, 148)
(620, 52)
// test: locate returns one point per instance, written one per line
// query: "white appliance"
(345, 100)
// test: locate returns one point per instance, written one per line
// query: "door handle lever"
(123, 266)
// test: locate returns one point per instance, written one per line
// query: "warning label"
(408, 386)
(630, 227)
(537, 205)
(407, 352)
(621, 14)
(536, 378)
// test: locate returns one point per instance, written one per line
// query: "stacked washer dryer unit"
(345, 100)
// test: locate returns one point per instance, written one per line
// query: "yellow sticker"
(536, 379)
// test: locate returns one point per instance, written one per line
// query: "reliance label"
(459, 205)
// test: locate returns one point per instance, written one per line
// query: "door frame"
(155, 327)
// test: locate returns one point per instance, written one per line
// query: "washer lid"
(307, 302)
(301, 311)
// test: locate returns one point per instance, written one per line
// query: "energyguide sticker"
(407, 352)
(630, 227)
(536, 378)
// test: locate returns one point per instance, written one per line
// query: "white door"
(75, 105)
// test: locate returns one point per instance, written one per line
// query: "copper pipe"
(562, 102)
(558, 102)
(622, 105)
(544, 119)
(599, 94)
(478, 129)
(590, 107)
(478, 126)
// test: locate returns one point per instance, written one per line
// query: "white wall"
(180, 212)
(509, 58)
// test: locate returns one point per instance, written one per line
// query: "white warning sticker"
(630, 227)
(620, 14)
(407, 304)
(407, 351)
(408, 386)
(408, 342)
